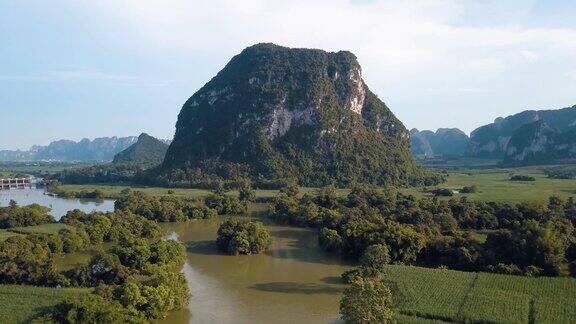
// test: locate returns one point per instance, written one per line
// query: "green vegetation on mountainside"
(276, 113)
(146, 150)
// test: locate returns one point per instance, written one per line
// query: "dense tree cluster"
(561, 173)
(86, 194)
(226, 204)
(442, 192)
(242, 237)
(16, 216)
(526, 238)
(520, 177)
(104, 173)
(136, 274)
(162, 209)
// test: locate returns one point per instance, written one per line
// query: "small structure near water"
(16, 183)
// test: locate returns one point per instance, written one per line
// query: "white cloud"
(408, 49)
(571, 74)
(529, 56)
(387, 35)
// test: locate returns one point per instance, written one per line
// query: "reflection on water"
(294, 282)
(58, 205)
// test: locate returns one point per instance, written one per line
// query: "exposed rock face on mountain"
(275, 112)
(538, 142)
(147, 149)
(419, 143)
(443, 142)
(99, 149)
(491, 141)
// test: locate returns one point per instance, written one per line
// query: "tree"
(242, 237)
(375, 257)
(329, 240)
(90, 309)
(572, 268)
(246, 193)
(367, 300)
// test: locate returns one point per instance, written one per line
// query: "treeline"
(526, 238)
(210, 174)
(105, 173)
(135, 274)
(561, 173)
(177, 209)
(16, 216)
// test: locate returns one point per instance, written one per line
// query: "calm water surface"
(295, 282)
(58, 205)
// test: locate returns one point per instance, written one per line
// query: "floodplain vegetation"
(131, 274)
(423, 259)
(518, 273)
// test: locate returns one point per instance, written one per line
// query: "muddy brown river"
(295, 282)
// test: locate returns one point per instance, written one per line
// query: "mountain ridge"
(442, 142)
(491, 141)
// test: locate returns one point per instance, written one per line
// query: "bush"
(469, 189)
(225, 204)
(91, 309)
(572, 268)
(16, 216)
(522, 178)
(329, 240)
(367, 300)
(375, 257)
(242, 237)
(442, 192)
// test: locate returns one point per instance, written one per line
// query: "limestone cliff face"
(538, 142)
(443, 142)
(494, 140)
(292, 112)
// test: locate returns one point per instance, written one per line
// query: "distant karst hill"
(443, 142)
(97, 150)
(533, 136)
(275, 112)
(147, 149)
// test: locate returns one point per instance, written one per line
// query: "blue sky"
(75, 69)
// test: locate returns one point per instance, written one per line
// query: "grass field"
(495, 185)
(113, 191)
(492, 184)
(468, 297)
(19, 231)
(44, 228)
(19, 304)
